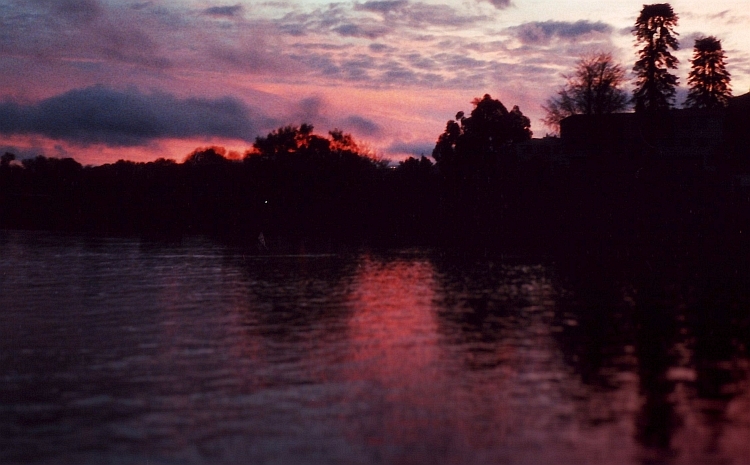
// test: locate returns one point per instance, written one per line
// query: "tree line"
(293, 185)
(595, 86)
(301, 189)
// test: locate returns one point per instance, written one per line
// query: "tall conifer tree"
(655, 85)
(708, 78)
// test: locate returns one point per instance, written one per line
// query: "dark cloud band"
(362, 125)
(98, 115)
(500, 3)
(540, 32)
(224, 10)
(385, 6)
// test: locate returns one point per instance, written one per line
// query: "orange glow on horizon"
(171, 149)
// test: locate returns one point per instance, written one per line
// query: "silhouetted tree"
(298, 145)
(415, 165)
(341, 141)
(286, 141)
(708, 78)
(592, 89)
(311, 185)
(477, 162)
(208, 156)
(63, 168)
(654, 30)
(483, 137)
(6, 158)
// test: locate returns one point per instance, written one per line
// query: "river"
(123, 351)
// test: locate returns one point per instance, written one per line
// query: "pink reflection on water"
(392, 330)
(428, 390)
(393, 362)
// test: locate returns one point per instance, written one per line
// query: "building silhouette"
(704, 137)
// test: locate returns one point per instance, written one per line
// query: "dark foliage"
(476, 161)
(293, 185)
(6, 159)
(306, 185)
(303, 190)
(482, 139)
(708, 78)
(592, 89)
(654, 31)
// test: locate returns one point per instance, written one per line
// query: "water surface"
(128, 352)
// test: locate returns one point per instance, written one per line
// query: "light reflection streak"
(393, 357)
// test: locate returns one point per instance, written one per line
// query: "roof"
(740, 102)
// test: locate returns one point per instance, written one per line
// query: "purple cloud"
(362, 125)
(380, 48)
(499, 4)
(99, 115)
(386, 6)
(395, 15)
(310, 110)
(361, 30)
(542, 32)
(411, 148)
(229, 11)
(80, 31)
(419, 15)
(73, 10)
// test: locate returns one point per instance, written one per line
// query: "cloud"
(310, 110)
(99, 115)
(724, 17)
(421, 15)
(411, 148)
(233, 10)
(499, 4)
(688, 40)
(73, 10)
(362, 125)
(79, 8)
(413, 44)
(141, 5)
(70, 32)
(396, 15)
(247, 51)
(372, 31)
(396, 73)
(625, 31)
(380, 48)
(315, 110)
(22, 153)
(382, 6)
(377, 43)
(538, 32)
(721, 14)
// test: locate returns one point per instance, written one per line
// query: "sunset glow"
(101, 80)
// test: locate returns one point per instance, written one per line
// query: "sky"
(103, 80)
